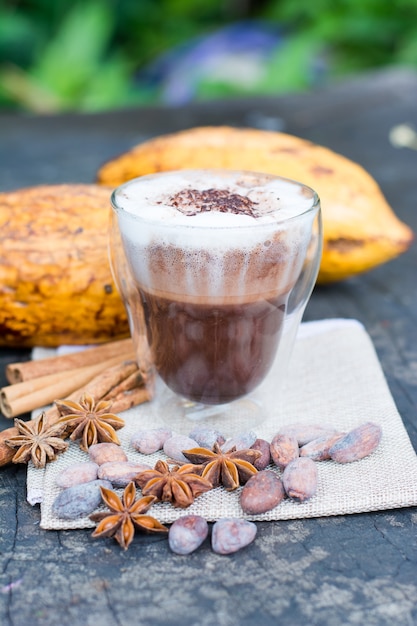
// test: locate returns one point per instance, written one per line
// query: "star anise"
(125, 516)
(37, 441)
(229, 469)
(89, 421)
(178, 485)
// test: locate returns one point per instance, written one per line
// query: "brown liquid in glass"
(213, 353)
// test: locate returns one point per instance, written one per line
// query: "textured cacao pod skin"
(360, 229)
(55, 280)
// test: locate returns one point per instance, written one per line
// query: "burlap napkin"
(334, 378)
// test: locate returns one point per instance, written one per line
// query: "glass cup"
(215, 268)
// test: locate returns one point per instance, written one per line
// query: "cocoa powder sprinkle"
(192, 201)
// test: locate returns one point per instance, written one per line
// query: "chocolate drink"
(213, 354)
(214, 258)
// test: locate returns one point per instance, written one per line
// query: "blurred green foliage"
(84, 54)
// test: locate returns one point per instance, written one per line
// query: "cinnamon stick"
(28, 370)
(102, 384)
(6, 453)
(29, 395)
(134, 380)
(97, 387)
(130, 398)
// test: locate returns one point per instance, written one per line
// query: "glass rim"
(315, 200)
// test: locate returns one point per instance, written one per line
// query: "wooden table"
(357, 569)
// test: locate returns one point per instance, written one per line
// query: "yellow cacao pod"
(360, 229)
(55, 280)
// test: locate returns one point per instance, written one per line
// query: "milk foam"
(276, 199)
(213, 252)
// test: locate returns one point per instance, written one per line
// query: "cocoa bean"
(121, 473)
(77, 474)
(230, 535)
(187, 534)
(300, 479)
(357, 444)
(319, 449)
(242, 441)
(284, 448)
(206, 437)
(263, 492)
(151, 440)
(174, 446)
(304, 433)
(79, 500)
(264, 460)
(105, 452)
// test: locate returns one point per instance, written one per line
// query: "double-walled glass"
(214, 304)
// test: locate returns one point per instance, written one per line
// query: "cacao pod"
(55, 280)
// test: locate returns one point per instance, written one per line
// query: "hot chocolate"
(213, 353)
(214, 256)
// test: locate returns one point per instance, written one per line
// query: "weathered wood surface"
(358, 569)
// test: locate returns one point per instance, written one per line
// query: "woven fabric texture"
(334, 378)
